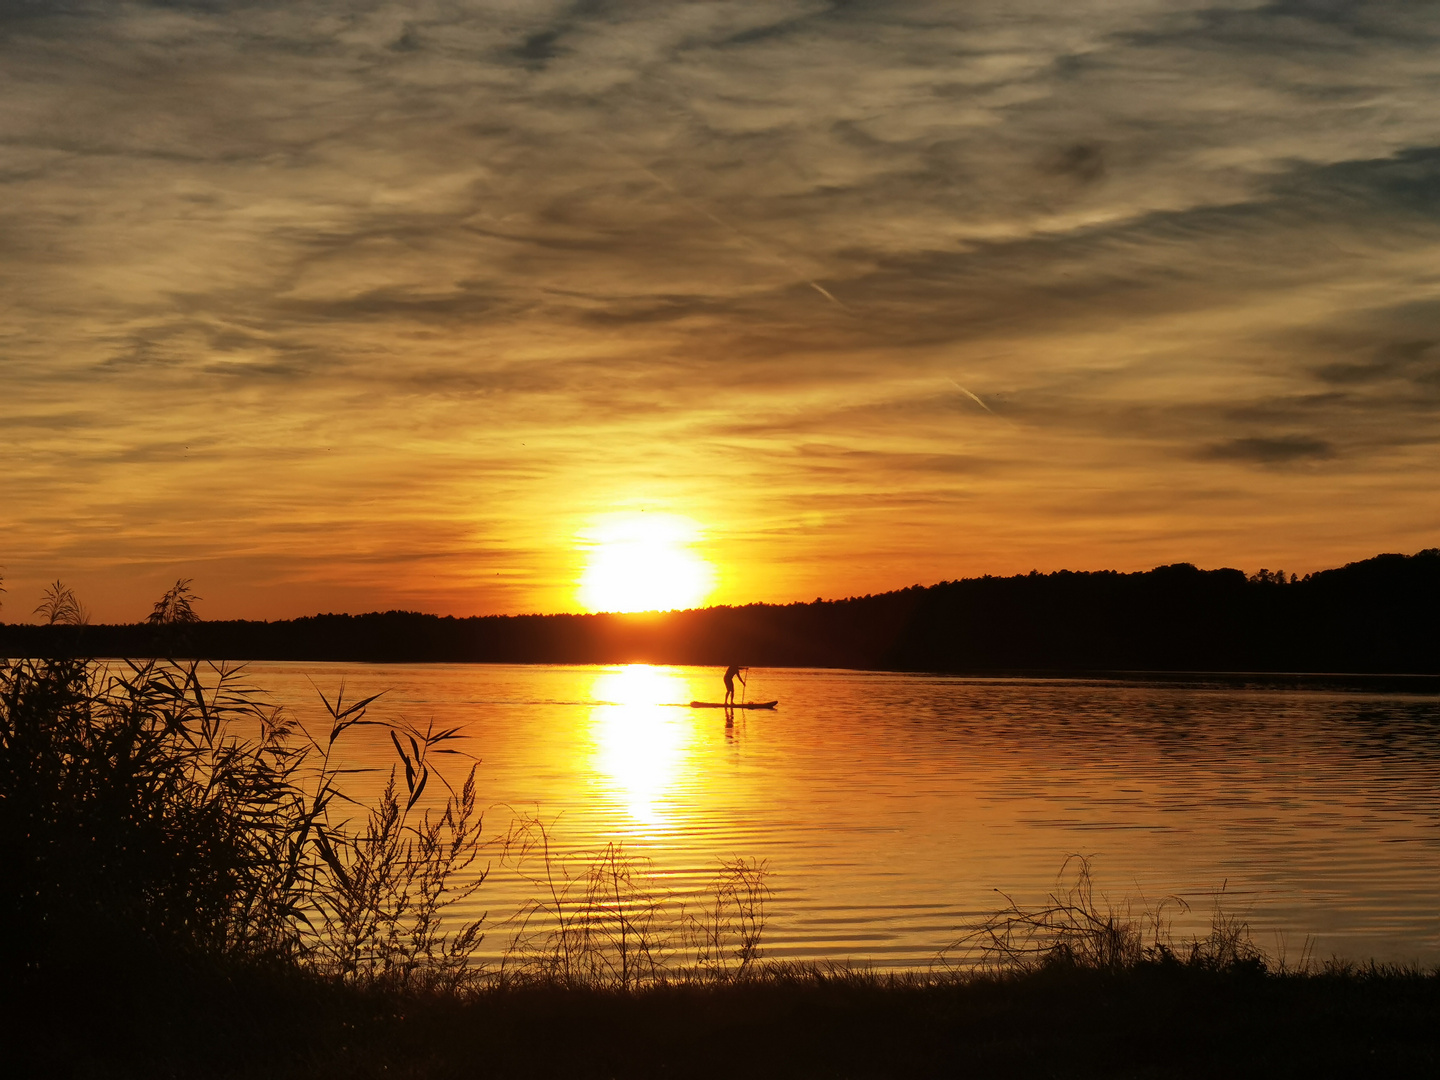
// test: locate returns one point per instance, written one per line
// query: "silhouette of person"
(730, 673)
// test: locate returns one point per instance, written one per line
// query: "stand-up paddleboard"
(735, 705)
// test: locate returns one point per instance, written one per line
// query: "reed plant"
(725, 929)
(161, 807)
(600, 919)
(383, 905)
(59, 606)
(1078, 927)
(596, 919)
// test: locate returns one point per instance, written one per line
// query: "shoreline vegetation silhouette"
(190, 890)
(1373, 616)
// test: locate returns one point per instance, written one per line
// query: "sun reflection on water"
(644, 745)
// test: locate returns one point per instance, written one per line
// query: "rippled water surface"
(891, 808)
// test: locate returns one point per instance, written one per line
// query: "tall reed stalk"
(725, 931)
(596, 919)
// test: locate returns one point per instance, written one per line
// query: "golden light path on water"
(642, 744)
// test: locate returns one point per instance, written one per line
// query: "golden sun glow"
(644, 562)
(642, 743)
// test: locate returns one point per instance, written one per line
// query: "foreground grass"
(1150, 1020)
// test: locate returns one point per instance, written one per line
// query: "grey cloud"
(389, 304)
(1082, 161)
(540, 46)
(816, 458)
(1288, 27)
(1416, 362)
(1276, 450)
(22, 11)
(46, 422)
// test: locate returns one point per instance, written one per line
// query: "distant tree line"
(1379, 615)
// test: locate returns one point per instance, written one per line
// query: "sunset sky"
(345, 306)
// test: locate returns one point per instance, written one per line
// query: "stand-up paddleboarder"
(730, 673)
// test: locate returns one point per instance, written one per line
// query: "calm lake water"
(890, 808)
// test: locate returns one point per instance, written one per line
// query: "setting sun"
(644, 562)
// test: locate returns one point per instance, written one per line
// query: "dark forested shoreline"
(1381, 615)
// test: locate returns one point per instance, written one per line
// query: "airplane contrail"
(972, 397)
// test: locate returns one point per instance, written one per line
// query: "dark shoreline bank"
(1375, 617)
(1152, 1021)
